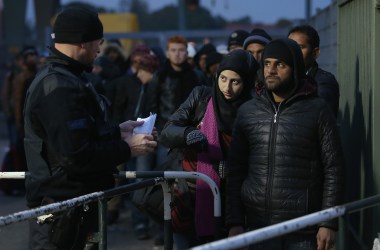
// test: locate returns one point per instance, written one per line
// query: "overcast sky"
(266, 11)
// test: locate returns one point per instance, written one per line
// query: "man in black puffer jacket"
(285, 159)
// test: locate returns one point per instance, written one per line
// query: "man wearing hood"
(285, 159)
(71, 147)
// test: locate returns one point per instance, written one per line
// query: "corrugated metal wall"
(350, 33)
(325, 22)
(376, 101)
(358, 73)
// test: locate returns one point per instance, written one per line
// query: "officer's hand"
(126, 128)
(141, 144)
(196, 139)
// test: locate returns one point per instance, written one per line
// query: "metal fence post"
(102, 218)
(168, 231)
(214, 189)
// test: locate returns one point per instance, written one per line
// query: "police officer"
(71, 147)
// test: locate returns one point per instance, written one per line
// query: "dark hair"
(310, 32)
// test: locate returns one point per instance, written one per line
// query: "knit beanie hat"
(257, 36)
(149, 62)
(213, 58)
(237, 38)
(204, 50)
(77, 25)
(278, 50)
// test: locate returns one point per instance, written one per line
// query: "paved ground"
(15, 237)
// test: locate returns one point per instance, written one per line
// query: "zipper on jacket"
(276, 110)
(271, 162)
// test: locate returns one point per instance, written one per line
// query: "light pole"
(181, 15)
(307, 10)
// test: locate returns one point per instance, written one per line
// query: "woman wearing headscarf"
(199, 134)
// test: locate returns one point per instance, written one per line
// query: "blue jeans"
(288, 242)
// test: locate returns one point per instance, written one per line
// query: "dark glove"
(196, 139)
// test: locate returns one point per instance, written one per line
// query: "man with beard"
(308, 40)
(285, 157)
(256, 42)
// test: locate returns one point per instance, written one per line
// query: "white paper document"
(148, 125)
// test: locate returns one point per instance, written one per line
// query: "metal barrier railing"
(101, 196)
(159, 176)
(185, 175)
(13, 175)
(238, 241)
(289, 226)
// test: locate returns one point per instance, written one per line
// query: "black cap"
(213, 58)
(279, 50)
(77, 25)
(28, 50)
(237, 38)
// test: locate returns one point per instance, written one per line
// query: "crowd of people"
(258, 119)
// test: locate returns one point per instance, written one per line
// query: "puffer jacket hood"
(298, 65)
(114, 46)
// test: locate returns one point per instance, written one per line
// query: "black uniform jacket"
(71, 147)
